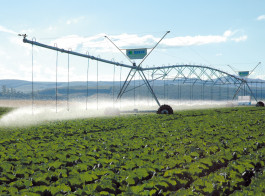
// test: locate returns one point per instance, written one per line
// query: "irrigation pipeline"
(25, 40)
(77, 54)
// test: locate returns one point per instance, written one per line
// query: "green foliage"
(4, 110)
(203, 152)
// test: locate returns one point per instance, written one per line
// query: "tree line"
(12, 93)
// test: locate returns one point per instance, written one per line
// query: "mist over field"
(43, 111)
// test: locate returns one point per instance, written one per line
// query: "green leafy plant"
(204, 152)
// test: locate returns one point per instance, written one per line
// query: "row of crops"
(208, 152)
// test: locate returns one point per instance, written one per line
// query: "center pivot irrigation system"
(204, 74)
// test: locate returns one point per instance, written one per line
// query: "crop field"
(200, 152)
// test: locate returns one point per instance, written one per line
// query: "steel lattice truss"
(199, 73)
(204, 75)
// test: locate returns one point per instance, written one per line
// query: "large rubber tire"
(260, 104)
(164, 109)
(112, 112)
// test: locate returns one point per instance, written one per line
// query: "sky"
(205, 32)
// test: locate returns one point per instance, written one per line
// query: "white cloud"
(190, 41)
(7, 72)
(202, 40)
(51, 28)
(75, 42)
(262, 77)
(5, 30)
(74, 20)
(239, 39)
(27, 31)
(100, 44)
(2, 52)
(18, 41)
(262, 17)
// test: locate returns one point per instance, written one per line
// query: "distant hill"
(26, 86)
(180, 89)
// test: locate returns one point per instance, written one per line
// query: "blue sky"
(207, 32)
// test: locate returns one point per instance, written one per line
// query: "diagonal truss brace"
(240, 87)
(129, 79)
(141, 73)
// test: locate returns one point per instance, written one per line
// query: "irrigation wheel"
(164, 109)
(260, 104)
